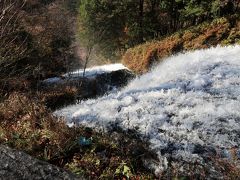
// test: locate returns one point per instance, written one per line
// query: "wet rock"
(161, 130)
(198, 149)
(169, 149)
(93, 86)
(18, 165)
(204, 150)
(116, 79)
(197, 125)
(224, 153)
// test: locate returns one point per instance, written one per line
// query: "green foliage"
(118, 25)
(72, 5)
(101, 22)
(123, 170)
(198, 11)
(215, 8)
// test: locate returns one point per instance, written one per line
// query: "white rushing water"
(89, 72)
(190, 99)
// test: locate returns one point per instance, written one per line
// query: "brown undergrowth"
(28, 125)
(223, 31)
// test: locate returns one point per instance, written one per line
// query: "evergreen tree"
(116, 25)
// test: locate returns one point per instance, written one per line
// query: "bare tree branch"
(11, 47)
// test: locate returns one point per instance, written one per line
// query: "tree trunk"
(141, 14)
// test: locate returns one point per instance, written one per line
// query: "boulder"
(18, 165)
(93, 86)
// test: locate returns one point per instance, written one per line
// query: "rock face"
(92, 86)
(18, 165)
(104, 83)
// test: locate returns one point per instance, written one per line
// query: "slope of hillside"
(44, 32)
(222, 31)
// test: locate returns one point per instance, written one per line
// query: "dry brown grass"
(222, 31)
(26, 124)
(55, 98)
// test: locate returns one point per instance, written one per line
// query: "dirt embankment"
(223, 31)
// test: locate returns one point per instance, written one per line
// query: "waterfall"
(189, 100)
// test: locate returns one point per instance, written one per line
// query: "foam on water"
(190, 99)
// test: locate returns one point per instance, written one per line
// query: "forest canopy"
(117, 25)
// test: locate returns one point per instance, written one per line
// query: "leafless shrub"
(11, 42)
